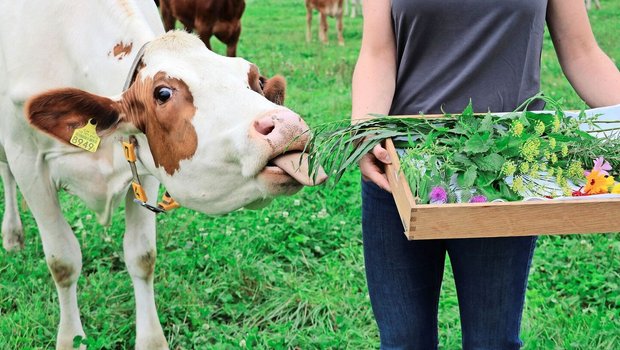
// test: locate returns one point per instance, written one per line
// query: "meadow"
(291, 275)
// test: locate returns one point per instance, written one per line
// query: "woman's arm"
(590, 71)
(374, 79)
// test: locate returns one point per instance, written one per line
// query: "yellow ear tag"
(86, 137)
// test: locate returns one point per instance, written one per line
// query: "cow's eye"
(162, 94)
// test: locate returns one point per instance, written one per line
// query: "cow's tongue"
(291, 164)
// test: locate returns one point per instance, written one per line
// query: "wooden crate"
(475, 220)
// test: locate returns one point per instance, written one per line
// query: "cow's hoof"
(154, 343)
(13, 240)
(67, 344)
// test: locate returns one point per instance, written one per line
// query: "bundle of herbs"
(470, 157)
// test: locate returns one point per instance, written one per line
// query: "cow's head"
(214, 126)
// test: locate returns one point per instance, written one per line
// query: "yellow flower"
(554, 158)
(509, 168)
(524, 167)
(616, 189)
(564, 150)
(597, 183)
(556, 124)
(530, 149)
(575, 170)
(517, 184)
(517, 128)
(539, 128)
(552, 143)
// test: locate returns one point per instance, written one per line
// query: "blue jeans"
(404, 280)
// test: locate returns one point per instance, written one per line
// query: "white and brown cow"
(332, 8)
(207, 127)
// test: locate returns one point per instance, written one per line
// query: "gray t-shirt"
(451, 51)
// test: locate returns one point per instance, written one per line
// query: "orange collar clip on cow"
(167, 203)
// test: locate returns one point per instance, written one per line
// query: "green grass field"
(291, 276)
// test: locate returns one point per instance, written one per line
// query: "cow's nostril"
(264, 125)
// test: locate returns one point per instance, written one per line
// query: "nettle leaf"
(507, 193)
(485, 179)
(477, 143)
(490, 162)
(469, 110)
(546, 118)
(486, 124)
(467, 179)
(460, 158)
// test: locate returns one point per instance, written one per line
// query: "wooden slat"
(514, 219)
(399, 186)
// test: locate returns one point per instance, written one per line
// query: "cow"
(209, 128)
(221, 18)
(332, 8)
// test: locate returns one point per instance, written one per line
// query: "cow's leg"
(231, 39)
(339, 28)
(12, 230)
(61, 248)
(308, 24)
(140, 253)
(205, 31)
(323, 28)
(166, 15)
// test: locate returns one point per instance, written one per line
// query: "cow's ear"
(60, 112)
(274, 89)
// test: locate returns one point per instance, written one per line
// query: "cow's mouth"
(295, 165)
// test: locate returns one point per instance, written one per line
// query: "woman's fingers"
(372, 170)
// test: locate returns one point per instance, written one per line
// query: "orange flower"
(598, 183)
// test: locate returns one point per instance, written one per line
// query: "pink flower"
(438, 195)
(601, 165)
(478, 199)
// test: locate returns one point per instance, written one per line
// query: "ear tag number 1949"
(86, 137)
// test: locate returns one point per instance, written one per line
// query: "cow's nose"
(282, 127)
(266, 124)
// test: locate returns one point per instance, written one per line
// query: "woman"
(431, 56)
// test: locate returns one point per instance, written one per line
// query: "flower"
(575, 170)
(598, 183)
(616, 189)
(554, 158)
(601, 165)
(552, 143)
(509, 168)
(517, 184)
(517, 128)
(556, 124)
(539, 128)
(438, 195)
(478, 199)
(530, 149)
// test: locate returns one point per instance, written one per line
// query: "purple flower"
(438, 195)
(601, 165)
(478, 199)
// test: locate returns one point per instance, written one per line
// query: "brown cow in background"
(332, 8)
(221, 18)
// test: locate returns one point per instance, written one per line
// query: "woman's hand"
(372, 165)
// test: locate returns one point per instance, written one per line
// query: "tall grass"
(291, 276)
